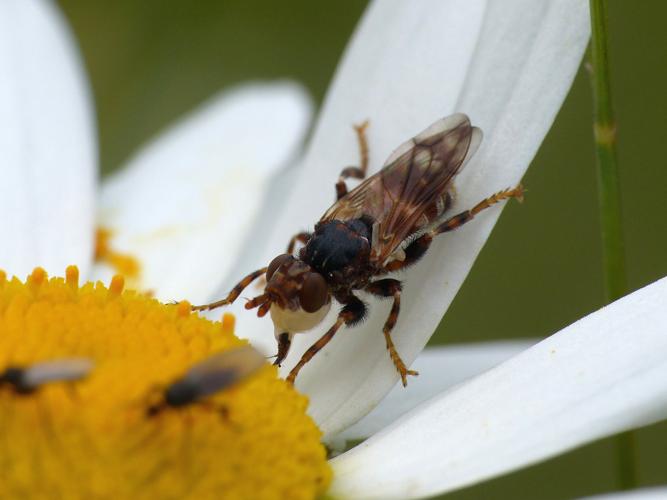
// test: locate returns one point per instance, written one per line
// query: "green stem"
(605, 144)
(613, 255)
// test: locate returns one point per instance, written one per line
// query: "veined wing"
(413, 179)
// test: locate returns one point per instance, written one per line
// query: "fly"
(210, 376)
(384, 225)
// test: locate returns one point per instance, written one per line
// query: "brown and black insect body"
(208, 377)
(385, 224)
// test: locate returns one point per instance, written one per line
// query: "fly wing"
(60, 370)
(224, 369)
(414, 177)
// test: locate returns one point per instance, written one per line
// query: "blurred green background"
(152, 60)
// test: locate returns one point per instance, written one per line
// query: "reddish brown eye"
(275, 264)
(314, 293)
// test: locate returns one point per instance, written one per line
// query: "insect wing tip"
(61, 370)
(222, 370)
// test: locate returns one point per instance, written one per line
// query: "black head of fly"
(27, 379)
(210, 376)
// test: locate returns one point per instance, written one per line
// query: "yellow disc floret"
(124, 264)
(92, 437)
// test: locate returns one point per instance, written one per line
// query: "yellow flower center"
(92, 438)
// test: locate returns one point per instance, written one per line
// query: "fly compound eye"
(313, 293)
(275, 264)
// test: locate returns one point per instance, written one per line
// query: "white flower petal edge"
(185, 204)
(440, 369)
(657, 493)
(508, 65)
(601, 375)
(48, 143)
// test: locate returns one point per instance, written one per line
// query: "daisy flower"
(508, 65)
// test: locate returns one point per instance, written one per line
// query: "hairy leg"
(416, 250)
(302, 238)
(467, 215)
(234, 294)
(392, 288)
(353, 312)
(284, 343)
(355, 172)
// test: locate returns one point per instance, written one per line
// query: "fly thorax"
(337, 246)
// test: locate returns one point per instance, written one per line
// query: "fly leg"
(302, 238)
(391, 288)
(355, 172)
(234, 294)
(352, 313)
(466, 216)
(284, 343)
(416, 250)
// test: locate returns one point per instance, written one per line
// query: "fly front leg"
(284, 343)
(355, 172)
(352, 313)
(234, 294)
(302, 238)
(392, 288)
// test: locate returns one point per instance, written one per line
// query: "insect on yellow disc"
(89, 436)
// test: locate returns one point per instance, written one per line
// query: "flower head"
(506, 64)
(96, 438)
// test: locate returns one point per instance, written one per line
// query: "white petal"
(48, 143)
(508, 65)
(440, 368)
(185, 204)
(601, 375)
(401, 72)
(657, 493)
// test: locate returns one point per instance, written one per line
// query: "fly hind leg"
(416, 250)
(467, 215)
(392, 288)
(355, 172)
(352, 313)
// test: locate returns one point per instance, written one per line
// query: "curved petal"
(185, 204)
(48, 143)
(656, 493)
(601, 375)
(508, 65)
(440, 369)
